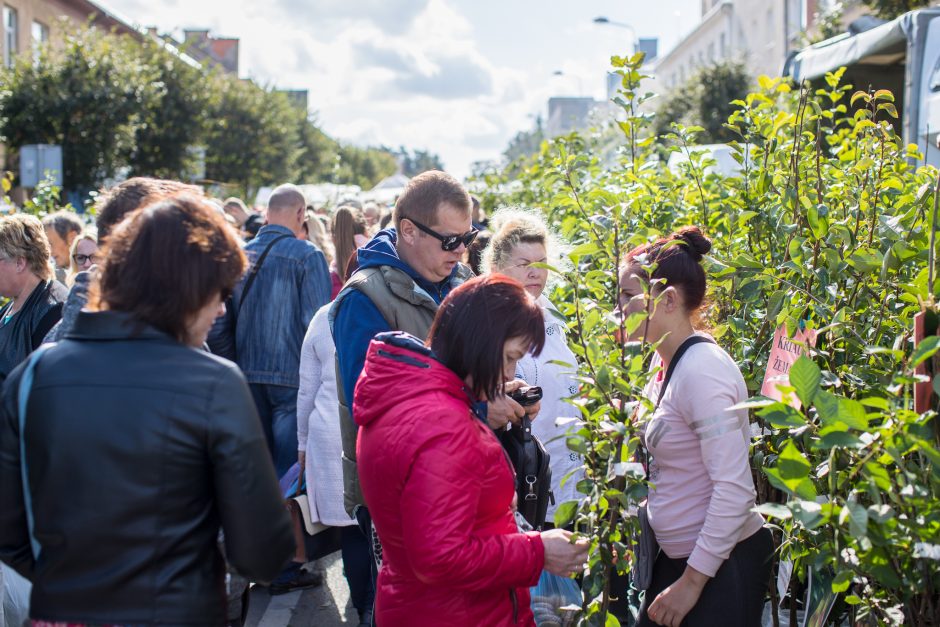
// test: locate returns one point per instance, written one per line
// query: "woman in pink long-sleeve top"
(714, 562)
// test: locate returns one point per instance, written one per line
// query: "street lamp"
(609, 22)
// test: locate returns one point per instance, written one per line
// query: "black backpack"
(533, 474)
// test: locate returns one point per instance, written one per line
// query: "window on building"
(722, 46)
(10, 35)
(711, 51)
(40, 35)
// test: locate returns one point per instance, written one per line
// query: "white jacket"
(318, 423)
(557, 383)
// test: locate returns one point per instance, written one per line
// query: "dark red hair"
(474, 323)
(677, 261)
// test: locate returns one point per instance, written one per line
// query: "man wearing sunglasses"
(404, 274)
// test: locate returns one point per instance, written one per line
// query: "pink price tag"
(785, 351)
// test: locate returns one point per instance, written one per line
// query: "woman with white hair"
(520, 240)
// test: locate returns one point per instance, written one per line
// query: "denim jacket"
(265, 332)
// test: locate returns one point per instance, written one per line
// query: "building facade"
(27, 24)
(761, 33)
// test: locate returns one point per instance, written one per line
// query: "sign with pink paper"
(785, 351)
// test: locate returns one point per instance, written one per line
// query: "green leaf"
(781, 416)
(774, 510)
(792, 473)
(611, 620)
(842, 581)
(858, 519)
(805, 378)
(925, 350)
(565, 513)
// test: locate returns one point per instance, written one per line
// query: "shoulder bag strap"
(686, 345)
(255, 267)
(26, 384)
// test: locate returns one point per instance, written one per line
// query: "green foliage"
(252, 137)
(172, 118)
(704, 99)
(890, 9)
(118, 106)
(362, 166)
(828, 226)
(415, 162)
(86, 97)
(45, 199)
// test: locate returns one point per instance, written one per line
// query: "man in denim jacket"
(263, 332)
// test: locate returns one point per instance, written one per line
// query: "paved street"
(324, 606)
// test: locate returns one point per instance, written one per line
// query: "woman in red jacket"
(438, 484)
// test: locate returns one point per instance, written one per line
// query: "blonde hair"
(87, 235)
(316, 233)
(22, 235)
(514, 226)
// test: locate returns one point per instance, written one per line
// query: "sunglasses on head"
(448, 242)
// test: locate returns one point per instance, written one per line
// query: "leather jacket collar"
(113, 325)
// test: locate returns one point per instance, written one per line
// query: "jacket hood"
(399, 368)
(381, 251)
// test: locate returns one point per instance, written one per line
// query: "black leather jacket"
(138, 449)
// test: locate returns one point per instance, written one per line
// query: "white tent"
(388, 189)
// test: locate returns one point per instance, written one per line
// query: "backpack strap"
(26, 384)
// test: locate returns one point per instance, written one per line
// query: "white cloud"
(456, 77)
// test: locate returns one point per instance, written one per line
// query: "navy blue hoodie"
(355, 321)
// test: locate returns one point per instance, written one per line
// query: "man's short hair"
(287, 197)
(425, 193)
(63, 223)
(114, 204)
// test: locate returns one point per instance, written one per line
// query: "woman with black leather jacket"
(136, 446)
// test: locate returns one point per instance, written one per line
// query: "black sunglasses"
(448, 242)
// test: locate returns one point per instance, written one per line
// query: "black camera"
(527, 396)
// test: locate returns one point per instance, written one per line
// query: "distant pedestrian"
(125, 513)
(62, 227)
(84, 255)
(265, 326)
(112, 206)
(320, 456)
(35, 304)
(349, 234)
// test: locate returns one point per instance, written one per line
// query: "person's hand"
(672, 604)
(562, 557)
(502, 410)
(302, 460)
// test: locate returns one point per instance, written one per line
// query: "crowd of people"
(158, 387)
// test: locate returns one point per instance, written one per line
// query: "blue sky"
(456, 77)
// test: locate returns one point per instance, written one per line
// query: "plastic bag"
(14, 595)
(551, 594)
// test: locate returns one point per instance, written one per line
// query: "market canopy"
(882, 45)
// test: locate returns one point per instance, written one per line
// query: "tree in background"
(362, 166)
(704, 100)
(252, 138)
(317, 153)
(890, 9)
(525, 143)
(172, 118)
(414, 163)
(87, 97)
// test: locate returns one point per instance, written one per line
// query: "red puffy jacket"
(439, 489)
